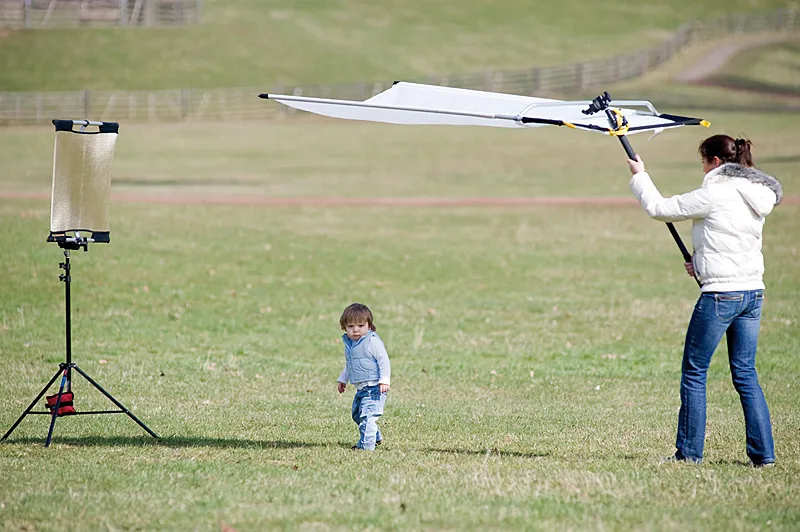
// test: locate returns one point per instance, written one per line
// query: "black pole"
(687, 257)
(66, 277)
(55, 409)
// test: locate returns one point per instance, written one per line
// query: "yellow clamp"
(622, 128)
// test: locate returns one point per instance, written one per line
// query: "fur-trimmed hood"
(751, 192)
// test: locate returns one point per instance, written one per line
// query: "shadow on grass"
(184, 182)
(737, 463)
(780, 159)
(171, 441)
(488, 452)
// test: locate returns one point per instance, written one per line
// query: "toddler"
(367, 368)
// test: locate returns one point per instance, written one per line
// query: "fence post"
(488, 84)
(185, 103)
(26, 15)
(87, 103)
(149, 13)
(535, 81)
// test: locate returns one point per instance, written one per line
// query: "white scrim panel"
(362, 111)
(81, 181)
(404, 93)
(414, 103)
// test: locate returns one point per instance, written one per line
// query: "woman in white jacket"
(728, 211)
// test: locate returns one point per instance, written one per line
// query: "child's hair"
(356, 313)
(728, 149)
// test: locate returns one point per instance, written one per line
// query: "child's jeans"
(367, 408)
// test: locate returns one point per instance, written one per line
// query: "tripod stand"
(65, 368)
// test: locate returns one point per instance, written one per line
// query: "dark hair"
(727, 149)
(356, 313)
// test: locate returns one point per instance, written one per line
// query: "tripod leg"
(30, 407)
(55, 410)
(120, 405)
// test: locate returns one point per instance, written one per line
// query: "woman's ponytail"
(727, 149)
(743, 155)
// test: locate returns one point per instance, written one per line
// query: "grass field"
(535, 350)
(262, 43)
(344, 159)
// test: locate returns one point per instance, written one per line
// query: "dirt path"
(335, 202)
(719, 56)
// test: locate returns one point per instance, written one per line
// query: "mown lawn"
(535, 350)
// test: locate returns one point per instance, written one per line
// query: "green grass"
(328, 158)
(264, 43)
(535, 350)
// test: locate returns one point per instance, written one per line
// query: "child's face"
(354, 331)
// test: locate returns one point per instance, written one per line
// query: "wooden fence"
(45, 14)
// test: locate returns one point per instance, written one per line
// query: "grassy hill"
(255, 42)
(771, 68)
(762, 75)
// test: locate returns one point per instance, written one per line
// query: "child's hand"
(383, 388)
(342, 386)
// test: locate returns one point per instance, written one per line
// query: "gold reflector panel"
(81, 181)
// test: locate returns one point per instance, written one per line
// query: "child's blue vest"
(361, 365)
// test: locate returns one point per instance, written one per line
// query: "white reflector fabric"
(414, 103)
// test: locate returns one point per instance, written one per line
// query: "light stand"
(74, 212)
(65, 368)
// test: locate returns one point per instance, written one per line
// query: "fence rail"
(242, 102)
(44, 14)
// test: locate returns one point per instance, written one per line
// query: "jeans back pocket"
(728, 305)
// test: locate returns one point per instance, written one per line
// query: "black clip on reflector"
(68, 125)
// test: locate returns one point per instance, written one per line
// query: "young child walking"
(367, 368)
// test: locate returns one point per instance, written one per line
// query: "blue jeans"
(367, 408)
(738, 315)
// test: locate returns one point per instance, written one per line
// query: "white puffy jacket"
(728, 213)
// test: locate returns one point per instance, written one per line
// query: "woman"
(728, 212)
